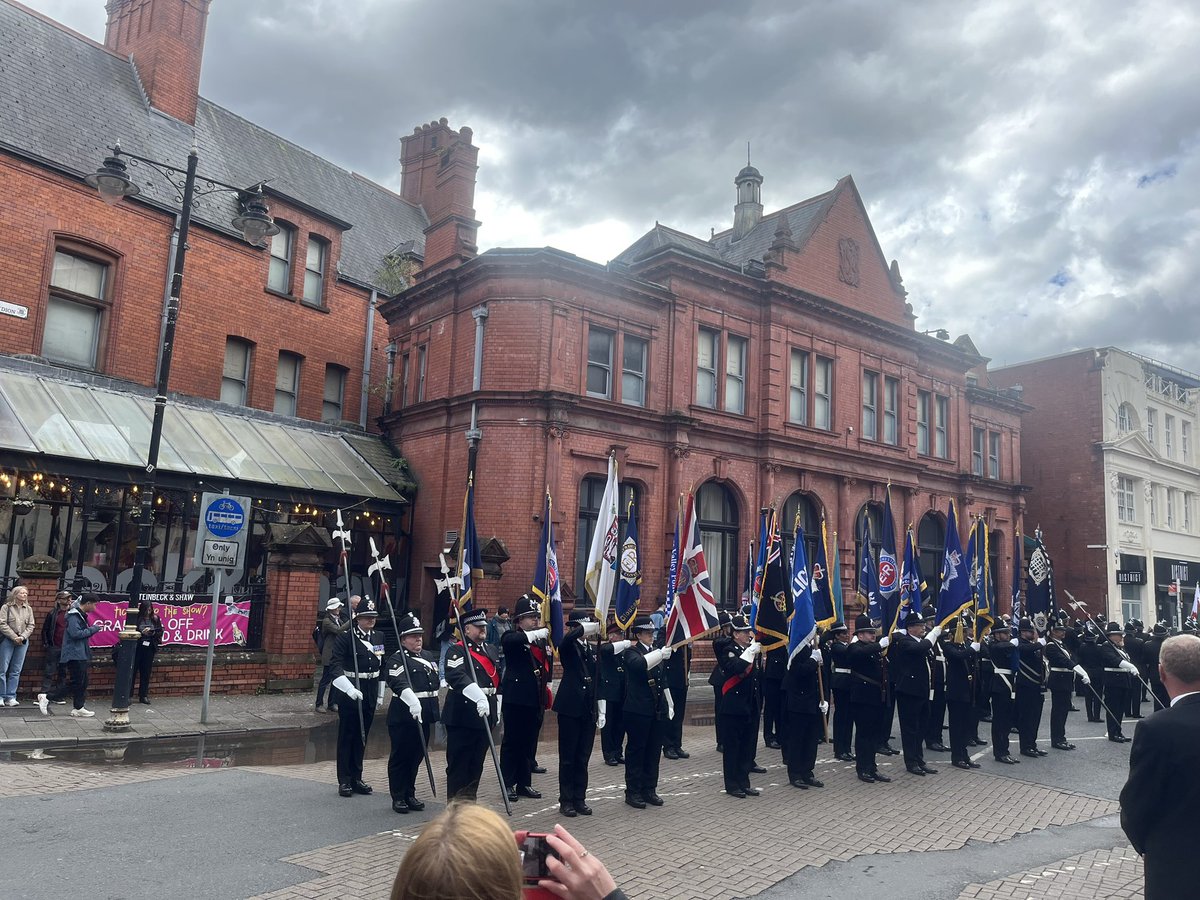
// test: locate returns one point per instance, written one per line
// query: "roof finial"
(747, 153)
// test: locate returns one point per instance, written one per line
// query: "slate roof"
(661, 237)
(65, 100)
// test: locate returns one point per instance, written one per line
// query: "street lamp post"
(255, 223)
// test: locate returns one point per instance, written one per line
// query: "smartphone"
(535, 850)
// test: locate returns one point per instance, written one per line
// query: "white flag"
(1196, 602)
(602, 557)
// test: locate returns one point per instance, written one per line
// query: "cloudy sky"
(1032, 166)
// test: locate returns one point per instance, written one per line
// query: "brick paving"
(1114, 874)
(34, 779)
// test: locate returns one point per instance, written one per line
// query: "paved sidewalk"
(1112, 874)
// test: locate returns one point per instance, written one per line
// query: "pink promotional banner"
(183, 625)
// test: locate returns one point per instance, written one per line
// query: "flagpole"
(344, 535)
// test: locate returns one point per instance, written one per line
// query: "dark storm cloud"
(1032, 166)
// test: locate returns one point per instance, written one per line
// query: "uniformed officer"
(867, 698)
(1004, 657)
(677, 670)
(526, 672)
(357, 661)
(612, 695)
(911, 657)
(473, 676)
(805, 707)
(840, 682)
(1158, 634)
(1030, 682)
(1089, 658)
(1119, 675)
(1060, 679)
(1135, 646)
(412, 675)
(576, 709)
(648, 707)
(962, 661)
(739, 699)
(937, 702)
(774, 718)
(722, 638)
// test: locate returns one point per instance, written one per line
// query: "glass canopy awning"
(48, 417)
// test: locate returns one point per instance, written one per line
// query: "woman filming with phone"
(469, 853)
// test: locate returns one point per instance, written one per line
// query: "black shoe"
(961, 764)
(669, 753)
(512, 795)
(523, 791)
(145, 700)
(752, 791)
(582, 808)
(1072, 709)
(890, 751)
(654, 799)
(862, 776)
(758, 770)
(977, 742)
(320, 707)
(720, 749)
(620, 759)
(884, 778)
(1118, 739)
(938, 747)
(1008, 760)
(400, 806)
(567, 809)
(1032, 754)
(773, 744)
(682, 754)
(1063, 745)
(799, 783)
(635, 801)
(1040, 752)
(414, 804)
(610, 761)
(846, 757)
(538, 770)
(344, 790)
(985, 718)
(974, 765)
(812, 782)
(1093, 720)
(929, 770)
(916, 770)
(740, 794)
(360, 787)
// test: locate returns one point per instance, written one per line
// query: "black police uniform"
(802, 700)
(867, 700)
(418, 672)
(983, 684)
(937, 704)
(1089, 658)
(910, 661)
(1153, 650)
(645, 724)
(739, 703)
(575, 706)
(526, 668)
(367, 648)
(677, 668)
(717, 678)
(774, 668)
(1135, 646)
(1030, 684)
(1060, 680)
(1004, 694)
(466, 740)
(1117, 685)
(843, 715)
(612, 692)
(961, 665)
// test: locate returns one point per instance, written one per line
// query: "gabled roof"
(660, 237)
(66, 98)
(802, 218)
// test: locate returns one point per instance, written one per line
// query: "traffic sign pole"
(212, 648)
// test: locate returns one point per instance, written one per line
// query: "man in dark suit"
(911, 663)
(1160, 799)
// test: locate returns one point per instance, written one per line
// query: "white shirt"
(1175, 700)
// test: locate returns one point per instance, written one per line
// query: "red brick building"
(775, 363)
(279, 372)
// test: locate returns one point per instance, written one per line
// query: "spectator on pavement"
(333, 623)
(16, 627)
(469, 851)
(150, 626)
(77, 656)
(658, 618)
(498, 625)
(54, 629)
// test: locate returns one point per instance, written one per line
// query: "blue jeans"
(12, 660)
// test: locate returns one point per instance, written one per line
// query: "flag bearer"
(470, 705)
(357, 661)
(648, 707)
(868, 698)
(739, 702)
(412, 675)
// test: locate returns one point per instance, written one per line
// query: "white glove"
(816, 655)
(602, 718)
(474, 693)
(1129, 667)
(653, 658)
(751, 651)
(884, 641)
(591, 628)
(538, 634)
(499, 704)
(1042, 641)
(975, 646)
(667, 651)
(1015, 641)
(1082, 673)
(824, 707)
(670, 704)
(934, 633)
(621, 646)
(414, 705)
(342, 683)
(379, 699)
(854, 640)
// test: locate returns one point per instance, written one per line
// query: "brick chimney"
(437, 172)
(166, 40)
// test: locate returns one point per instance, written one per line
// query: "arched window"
(931, 545)
(591, 495)
(1127, 419)
(717, 516)
(809, 509)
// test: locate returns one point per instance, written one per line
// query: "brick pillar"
(40, 574)
(294, 567)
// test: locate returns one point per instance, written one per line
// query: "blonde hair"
(466, 853)
(12, 594)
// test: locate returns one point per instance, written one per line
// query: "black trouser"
(1159, 691)
(76, 683)
(143, 662)
(612, 735)
(673, 737)
(1029, 715)
(1002, 714)
(772, 711)
(1091, 698)
(52, 670)
(465, 751)
(404, 762)
(887, 717)
(1060, 705)
(537, 735)
(868, 718)
(576, 735)
(1135, 702)
(519, 745)
(962, 728)
(350, 746)
(1115, 699)
(937, 718)
(843, 721)
(983, 700)
(914, 723)
(741, 739)
(642, 752)
(325, 682)
(717, 714)
(803, 733)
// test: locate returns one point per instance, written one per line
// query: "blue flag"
(803, 624)
(889, 569)
(955, 595)
(760, 565)
(629, 587)
(867, 580)
(824, 608)
(1018, 565)
(470, 567)
(985, 589)
(672, 585)
(1039, 585)
(911, 582)
(545, 580)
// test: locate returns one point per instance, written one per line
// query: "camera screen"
(534, 852)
